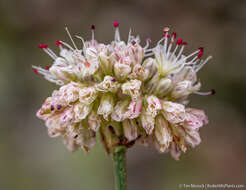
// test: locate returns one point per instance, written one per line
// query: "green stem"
(119, 158)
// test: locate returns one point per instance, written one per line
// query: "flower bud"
(130, 129)
(105, 63)
(163, 87)
(106, 105)
(192, 138)
(149, 68)
(173, 112)
(94, 121)
(147, 121)
(163, 133)
(151, 85)
(132, 88)
(87, 95)
(182, 89)
(121, 71)
(153, 105)
(81, 111)
(134, 109)
(109, 84)
(119, 110)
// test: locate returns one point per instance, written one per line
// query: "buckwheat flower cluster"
(124, 93)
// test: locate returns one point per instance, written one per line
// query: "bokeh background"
(29, 159)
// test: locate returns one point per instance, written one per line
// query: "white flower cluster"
(125, 93)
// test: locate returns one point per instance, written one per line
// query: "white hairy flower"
(125, 92)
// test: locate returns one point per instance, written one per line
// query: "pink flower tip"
(42, 46)
(93, 27)
(179, 41)
(116, 23)
(58, 42)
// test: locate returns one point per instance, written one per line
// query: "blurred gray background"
(29, 159)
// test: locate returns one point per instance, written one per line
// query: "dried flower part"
(125, 93)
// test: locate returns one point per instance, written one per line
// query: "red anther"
(174, 35)
(93, 27)
(35, 71)
(166, 35)
(184, 43)
(116, 23)
(42, 46)
(58, 42)
(213, 92)
(179, 41)
(201, 49)
(47, 67)
(200, 54)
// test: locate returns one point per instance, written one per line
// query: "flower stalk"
(119, 159)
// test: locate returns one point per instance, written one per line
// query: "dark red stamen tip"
(213, 92)
(179, 41)
(93, 27)
(58, 42)
(116, 23)
(35, 71)
(200, 54)
(174, 34)
(42, 46)
(52, 107)
(166, 35)
(184, 43)
(58, 106)
(201, 49)
(47, 67)
(133, 42)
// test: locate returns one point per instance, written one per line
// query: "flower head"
(125, 93)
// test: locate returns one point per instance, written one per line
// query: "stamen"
(179, 41)
(92, 31)
(148, 40)
(83, 41)
(202, 63)
(117, 32)
(211, 92)
(42, 46)
(70, 37)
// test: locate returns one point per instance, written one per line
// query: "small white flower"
(130, 129)
(109, 84)
(173, 112)
(132, 88)
(106, 105)
(87, 95)
(163, 133)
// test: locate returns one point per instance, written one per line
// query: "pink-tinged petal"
(130, 129)
(134, 109)
(192, 138)
(173, 112)
(175, 151)
(200, 114)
